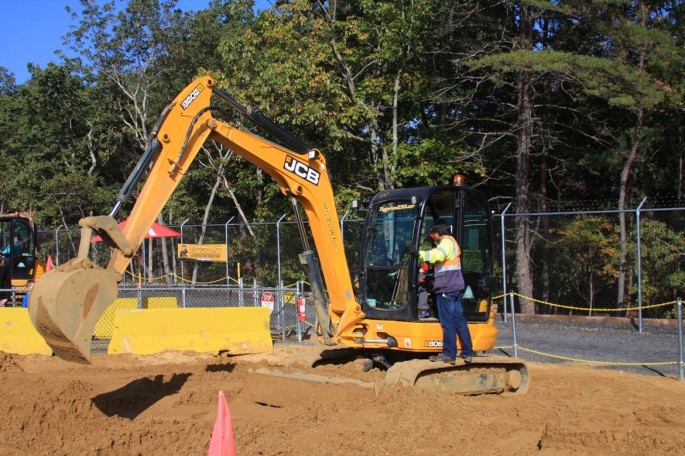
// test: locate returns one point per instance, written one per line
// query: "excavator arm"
(67, 302)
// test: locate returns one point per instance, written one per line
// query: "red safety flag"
(222, 436)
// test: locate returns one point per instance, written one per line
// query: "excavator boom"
(67, 302)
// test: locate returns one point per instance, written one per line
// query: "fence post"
(281, 294)
(513, 323)
(298, 294)
(639, 267)
(228, 274)
(680, 339)
(183, 277)
(342, 226)
(504, 263)
(143, 269)
(57, 246)
(278, 246)
(255, 298)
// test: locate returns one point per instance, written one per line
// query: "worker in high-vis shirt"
(448, 288)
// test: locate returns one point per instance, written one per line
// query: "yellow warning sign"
(202, 252)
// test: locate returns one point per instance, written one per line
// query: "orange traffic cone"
(48, 265)
(222, 435)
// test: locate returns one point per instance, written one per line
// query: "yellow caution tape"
(615, 309)
(223, 279)
(590, 361)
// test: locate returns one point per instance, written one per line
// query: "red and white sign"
(268, 301)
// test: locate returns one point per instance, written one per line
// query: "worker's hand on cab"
(411, 250)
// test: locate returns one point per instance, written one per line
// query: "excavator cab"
(18, 246)
(389, 279)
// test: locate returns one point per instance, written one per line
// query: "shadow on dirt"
(133, 399)
(220, 368)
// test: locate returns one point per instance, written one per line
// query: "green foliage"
(434, 161)
(7, 81)
(586, 256)
(55, 147)
(661, 256)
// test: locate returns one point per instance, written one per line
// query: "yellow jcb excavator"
(378, 318)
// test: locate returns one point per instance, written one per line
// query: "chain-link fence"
(580, 262)
(266, 252)
(576, 265)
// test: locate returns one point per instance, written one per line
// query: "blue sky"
(32, 31)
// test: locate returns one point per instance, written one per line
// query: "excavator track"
(486, 374)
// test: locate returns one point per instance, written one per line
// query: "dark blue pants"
(453, 322)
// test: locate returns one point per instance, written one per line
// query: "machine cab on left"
(18, 245)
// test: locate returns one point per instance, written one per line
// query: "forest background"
(538, 103)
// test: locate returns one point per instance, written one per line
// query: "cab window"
(387, 281)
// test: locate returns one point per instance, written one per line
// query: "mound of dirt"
(167, 404)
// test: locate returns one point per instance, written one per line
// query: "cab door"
(470, 218)
(387, 275)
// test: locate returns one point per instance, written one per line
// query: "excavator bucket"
(66, 303)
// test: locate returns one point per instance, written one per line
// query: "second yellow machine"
(377, 317)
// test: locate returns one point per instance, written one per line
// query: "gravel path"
(605, 343)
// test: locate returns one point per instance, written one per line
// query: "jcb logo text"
(300, 169)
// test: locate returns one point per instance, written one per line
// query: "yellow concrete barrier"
(237, 330)
(18, 335)
(105, 325)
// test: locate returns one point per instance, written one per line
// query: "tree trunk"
(592, 293)
(524, 139)
(625, 175)
(677, 151)
(210, 202)
(623, 196)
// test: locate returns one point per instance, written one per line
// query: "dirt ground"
(167, 404)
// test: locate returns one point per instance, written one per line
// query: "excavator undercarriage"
(486, 374)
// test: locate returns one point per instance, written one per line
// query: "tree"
(131, 51)
(53, 144)
(7, 81)
(348, 76)
(662, 250)
(588, 256)
(577, 70)
(123, 47)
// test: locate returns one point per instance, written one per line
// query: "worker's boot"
(441, 358)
